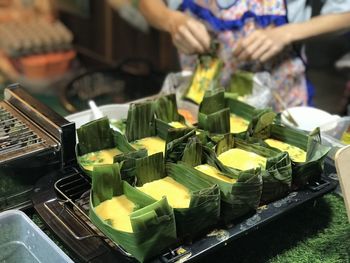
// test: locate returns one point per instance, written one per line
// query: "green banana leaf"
(213, 116)
(119, 124)
(153, 222)
(128, 160)
(192, 154)
(96, 136)
(213, 101)
(202, 80)
(166, 111)
(176, 143)
(312, 168)
(218, 122)
(165, 108)
(204, 208)
(241, 83)
(238, 198)
(140, 122)
(165, 131)
(259, 119)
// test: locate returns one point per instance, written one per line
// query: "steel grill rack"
(33, 140)
(29, 128)
(15, 134)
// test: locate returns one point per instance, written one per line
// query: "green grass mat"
(316, 232)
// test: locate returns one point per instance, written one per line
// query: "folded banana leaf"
(244, 115)
(140, 122)
(167, 115)
(240, 195)
(277, 175)
(128, 169)
(303, 171)
(205, 77)
(213, 115)
(165, 108)
(119, 124)
(152, 222)
(176, 142)
(203, 210)
(95, 138)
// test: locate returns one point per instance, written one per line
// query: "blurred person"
(254, 35)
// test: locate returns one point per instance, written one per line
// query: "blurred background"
(66, 52)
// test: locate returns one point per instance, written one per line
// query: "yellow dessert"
(89, 160)
(178, 195)
(213, 172)
(241, 159)
(295, 153)
(176, 124)
(238, 124)
(152, 144)
(117, 210)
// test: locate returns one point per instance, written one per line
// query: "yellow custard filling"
(238, 124)
(118, 210)
(152, 144)
(295, 153)
(178, 195)
(176, 124)
(89, 160)
(241, 159)
(215, 173)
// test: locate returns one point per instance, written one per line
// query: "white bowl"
(307, 118)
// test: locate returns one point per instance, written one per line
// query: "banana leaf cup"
(98, 144)
(276, 172)
(213, 115)
(167, 116)
(144, 130)
(206, 76)
(276, 167)
(240, 190)
(222, 113)
(152, 223)
(307, 159)
(199, 207)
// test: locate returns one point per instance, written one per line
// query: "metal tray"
(63, 210)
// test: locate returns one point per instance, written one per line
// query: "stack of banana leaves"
(206, 76)
(305, 150)
(142, 226)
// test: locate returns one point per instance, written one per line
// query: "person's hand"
(189, 35)
(263, 44)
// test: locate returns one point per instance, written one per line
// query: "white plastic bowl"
(308, 118)
(112, 111)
